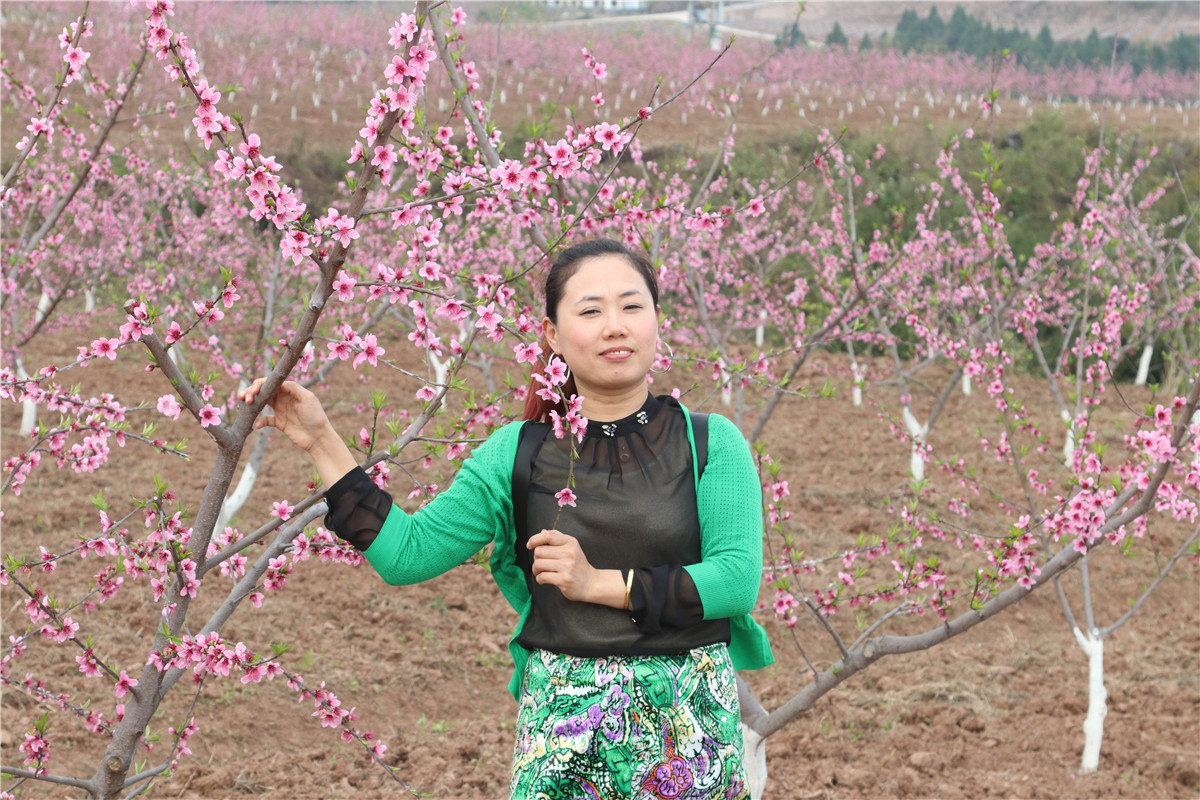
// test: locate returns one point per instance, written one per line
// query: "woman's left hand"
(559, 561)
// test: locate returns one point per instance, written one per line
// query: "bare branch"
(17, 772)
(1133, 609)
(879, 647)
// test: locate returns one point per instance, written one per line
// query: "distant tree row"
(966, 34)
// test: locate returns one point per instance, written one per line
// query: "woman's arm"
(456, 524)
(299, 416)
(459, 522)
(730, 504)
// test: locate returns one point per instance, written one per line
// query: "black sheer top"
(635, 509)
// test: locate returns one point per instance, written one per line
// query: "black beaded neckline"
(626, 425)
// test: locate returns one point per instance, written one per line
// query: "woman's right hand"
(298, 414)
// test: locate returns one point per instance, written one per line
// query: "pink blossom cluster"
(599, 72)
(36, 748)
(92, 720)
(405, 77)
(75, 58)
(209, 654)
(98, 420)
(330, 712)
(364, 349)
(269, 198)
(179, 739)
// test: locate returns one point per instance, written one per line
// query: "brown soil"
(994, 713)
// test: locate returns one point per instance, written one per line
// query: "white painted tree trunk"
(89, 300)
(760, 330)
(28, 407)
(726, 385)
(234, 502)
(237, 498)
(966, 384)
(43, 308)
(439, 368)
(860, 373)
(755, 759)
(1093, 724)
(916, 464)
(1069, 445)
(1144, 365)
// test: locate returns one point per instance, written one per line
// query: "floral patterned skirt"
(626, 727)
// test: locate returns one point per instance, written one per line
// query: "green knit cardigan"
(477, 509)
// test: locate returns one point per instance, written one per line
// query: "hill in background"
(1138, 21)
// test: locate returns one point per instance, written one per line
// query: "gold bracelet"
(628, 591)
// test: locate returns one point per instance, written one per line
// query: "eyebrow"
(595, 298)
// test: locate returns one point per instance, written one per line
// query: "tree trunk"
(237, 498)
(1069, 445)
(439, 368)
(916, 463)
(755, 759)
(726, 385)
(43, 308)
(859, 372)
(1093, 725)
(1144, 365)
(28, 407)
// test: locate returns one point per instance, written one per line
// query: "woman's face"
(607, 326)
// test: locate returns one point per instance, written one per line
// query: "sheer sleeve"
(664, 597)
(357, 508)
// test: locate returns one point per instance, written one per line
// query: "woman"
(634, 607)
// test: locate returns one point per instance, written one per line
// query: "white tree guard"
(440, 368)
(237, 498)
(1144, 365)
(28, 407)
(1093, 724)
(43, 308)
(860, 375)
(916, 463)
(1069, 445)
(726, 385)
(755, 755)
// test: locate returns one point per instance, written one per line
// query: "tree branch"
(874, 649)
(17, 772)
(1133, 609)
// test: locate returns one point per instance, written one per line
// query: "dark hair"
(563, 269)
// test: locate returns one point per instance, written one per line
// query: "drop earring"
(670, 358)
(568, 366)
